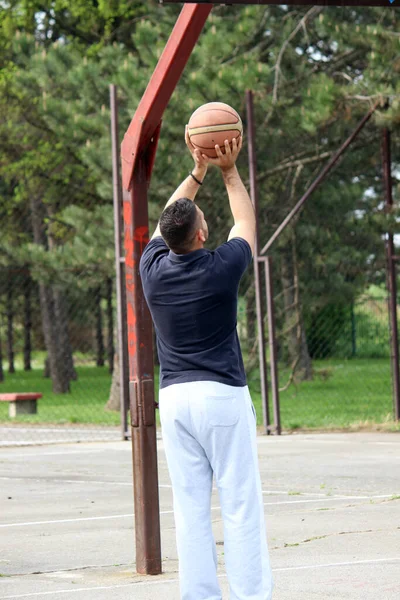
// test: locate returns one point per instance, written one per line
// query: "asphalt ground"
(332, 505)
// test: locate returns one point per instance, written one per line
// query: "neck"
(197, 245)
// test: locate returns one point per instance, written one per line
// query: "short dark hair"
(178, 225)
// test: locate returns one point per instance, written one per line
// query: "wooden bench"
(21, 404)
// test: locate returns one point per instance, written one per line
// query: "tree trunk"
(1, 364)
(110, 325)
(27, 325)
(99, 329)
(114, 400)
(46, 371)
(58, 370)
(10, 332)
(298, 354)
(65, 342)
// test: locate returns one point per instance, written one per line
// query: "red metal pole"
(257, 264)
(391, 276)
(161, 85)
(328, 167)
(355, 3)
(141, 381)
(138, 153)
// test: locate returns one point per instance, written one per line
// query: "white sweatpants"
(209, 428)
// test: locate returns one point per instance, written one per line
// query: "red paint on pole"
(141, 235)
(138, 154)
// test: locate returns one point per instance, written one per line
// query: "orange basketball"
(212, 124)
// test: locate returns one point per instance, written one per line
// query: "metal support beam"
(273, 357)
(138, 154)
(354, 3)
(141, 381)
(161, 85)
(119, 267)
(391, 276)
(328, 167)
(257, 265)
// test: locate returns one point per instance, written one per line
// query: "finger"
(218, 151)
(227, 148)
(234, 146)
(197, 155)
(240, 144)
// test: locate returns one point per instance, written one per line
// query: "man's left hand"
(200, 161)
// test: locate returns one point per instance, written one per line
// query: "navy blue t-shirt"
(193, 301)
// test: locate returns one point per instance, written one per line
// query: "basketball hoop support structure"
(137, 156)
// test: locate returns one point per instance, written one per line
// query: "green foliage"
(315, 72)
(357, 394)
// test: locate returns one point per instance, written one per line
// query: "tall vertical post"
(273, 355)
(141, 376)
(391, 276)
(257, 263)
(138, 151)
(119, 267)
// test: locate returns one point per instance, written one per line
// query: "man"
(207, 416)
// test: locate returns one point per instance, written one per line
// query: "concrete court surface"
(18, 435)
(332, 506)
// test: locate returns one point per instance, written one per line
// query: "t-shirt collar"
(185, 258)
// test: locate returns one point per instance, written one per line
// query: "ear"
(201, 236)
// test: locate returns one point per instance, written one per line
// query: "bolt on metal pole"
(119, 267)
(257, 264)
(391, 276)
(273, 355)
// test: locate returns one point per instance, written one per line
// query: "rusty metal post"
(119, 267)
(391, 276)
(141, 379)
(257, 264)
(273, 357)
(138, 151)
(328, 167)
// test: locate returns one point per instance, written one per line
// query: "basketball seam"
(210, 129)
(235, 114)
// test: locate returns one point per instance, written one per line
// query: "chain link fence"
(58, 306)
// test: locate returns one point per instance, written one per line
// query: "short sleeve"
(155, 249)
(236, 256)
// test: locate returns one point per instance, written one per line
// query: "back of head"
(179, 224)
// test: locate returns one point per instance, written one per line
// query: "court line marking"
(176, 580)
(170, 512)
(60, 480)
(167, 486)
(40, 454)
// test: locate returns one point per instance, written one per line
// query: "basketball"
(212, 124)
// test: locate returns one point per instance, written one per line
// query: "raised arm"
(189, 187)
(239, 199)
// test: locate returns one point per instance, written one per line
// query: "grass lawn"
(351, 393)
(85, 403)
(343, 394)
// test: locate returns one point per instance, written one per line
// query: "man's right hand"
(226, 161)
